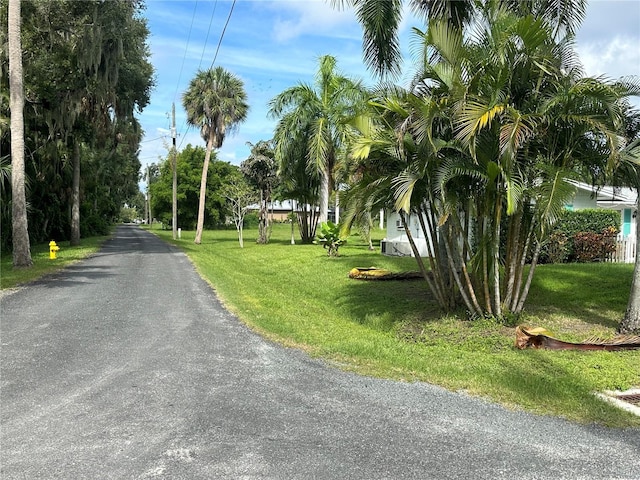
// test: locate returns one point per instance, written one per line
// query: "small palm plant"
(330, 238)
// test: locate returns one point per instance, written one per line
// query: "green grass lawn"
(11, 277)
(296, 295)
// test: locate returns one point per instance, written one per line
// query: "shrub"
(250, 220)
(330, 238)
(589, 220)
(593, 247)
(571, 238)
(557, 250)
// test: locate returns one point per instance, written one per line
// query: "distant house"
(279, 211)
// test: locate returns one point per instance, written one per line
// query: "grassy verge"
(296, 295)
(11, 277)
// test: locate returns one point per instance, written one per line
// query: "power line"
(186, 49)
(204, 47)
(233, 4)
(223, 31)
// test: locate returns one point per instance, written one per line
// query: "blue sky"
(272, 45)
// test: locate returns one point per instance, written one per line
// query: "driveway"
(126, 366)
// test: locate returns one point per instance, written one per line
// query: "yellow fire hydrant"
(53, 248)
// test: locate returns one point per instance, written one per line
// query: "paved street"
(126, 366)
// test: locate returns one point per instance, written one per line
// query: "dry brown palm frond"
(537, 338)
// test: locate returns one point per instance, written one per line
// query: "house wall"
(582, 200)
(629, 222)
(397, 240)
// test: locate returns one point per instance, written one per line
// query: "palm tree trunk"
(511, 257)
(468, 301)
(523, 260)
(527, 286)
(19, 224)
(75, 194)
(496, 259)
(323, 215)
(631, 321)
(203, 191)
(431, 237)
(423, 269)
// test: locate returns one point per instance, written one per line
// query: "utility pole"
(148, 205)
(174, 155)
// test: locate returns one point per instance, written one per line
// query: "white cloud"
(614, 58)
(293, 19)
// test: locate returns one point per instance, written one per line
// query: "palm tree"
(629, 170)
(323, 111)
(297, 183)
(20, 232)
(260, 170)
(380, 20)
(216, 102)
(488, 135)
(631, 320)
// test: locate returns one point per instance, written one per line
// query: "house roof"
(608, 196)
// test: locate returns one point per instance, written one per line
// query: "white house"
(623, 200)
(396, 242)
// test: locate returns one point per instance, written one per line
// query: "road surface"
(126, 366)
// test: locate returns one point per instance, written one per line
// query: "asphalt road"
(126, 366)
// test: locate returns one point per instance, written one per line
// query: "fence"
(626, 250)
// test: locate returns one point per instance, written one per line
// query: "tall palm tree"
(297, 183)
(21, 248)
(216, 102)
(323, 110)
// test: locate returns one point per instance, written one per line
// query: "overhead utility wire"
(184, 57)
(223, 30)
(217, 50)
(204, 47)
(186, 49)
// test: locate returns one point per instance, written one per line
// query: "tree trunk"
(19, 224)
(631, 321)
(75, 195)
(262, 220)
(497, 302)
(421, 265)
(324, 198)
(203, 191)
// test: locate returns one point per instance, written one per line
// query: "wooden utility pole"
(174, 162)
(148, 205)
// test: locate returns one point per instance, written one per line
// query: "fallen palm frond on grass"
(374, 273)
(538, 338)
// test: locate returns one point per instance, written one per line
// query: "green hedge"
(601, 225)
